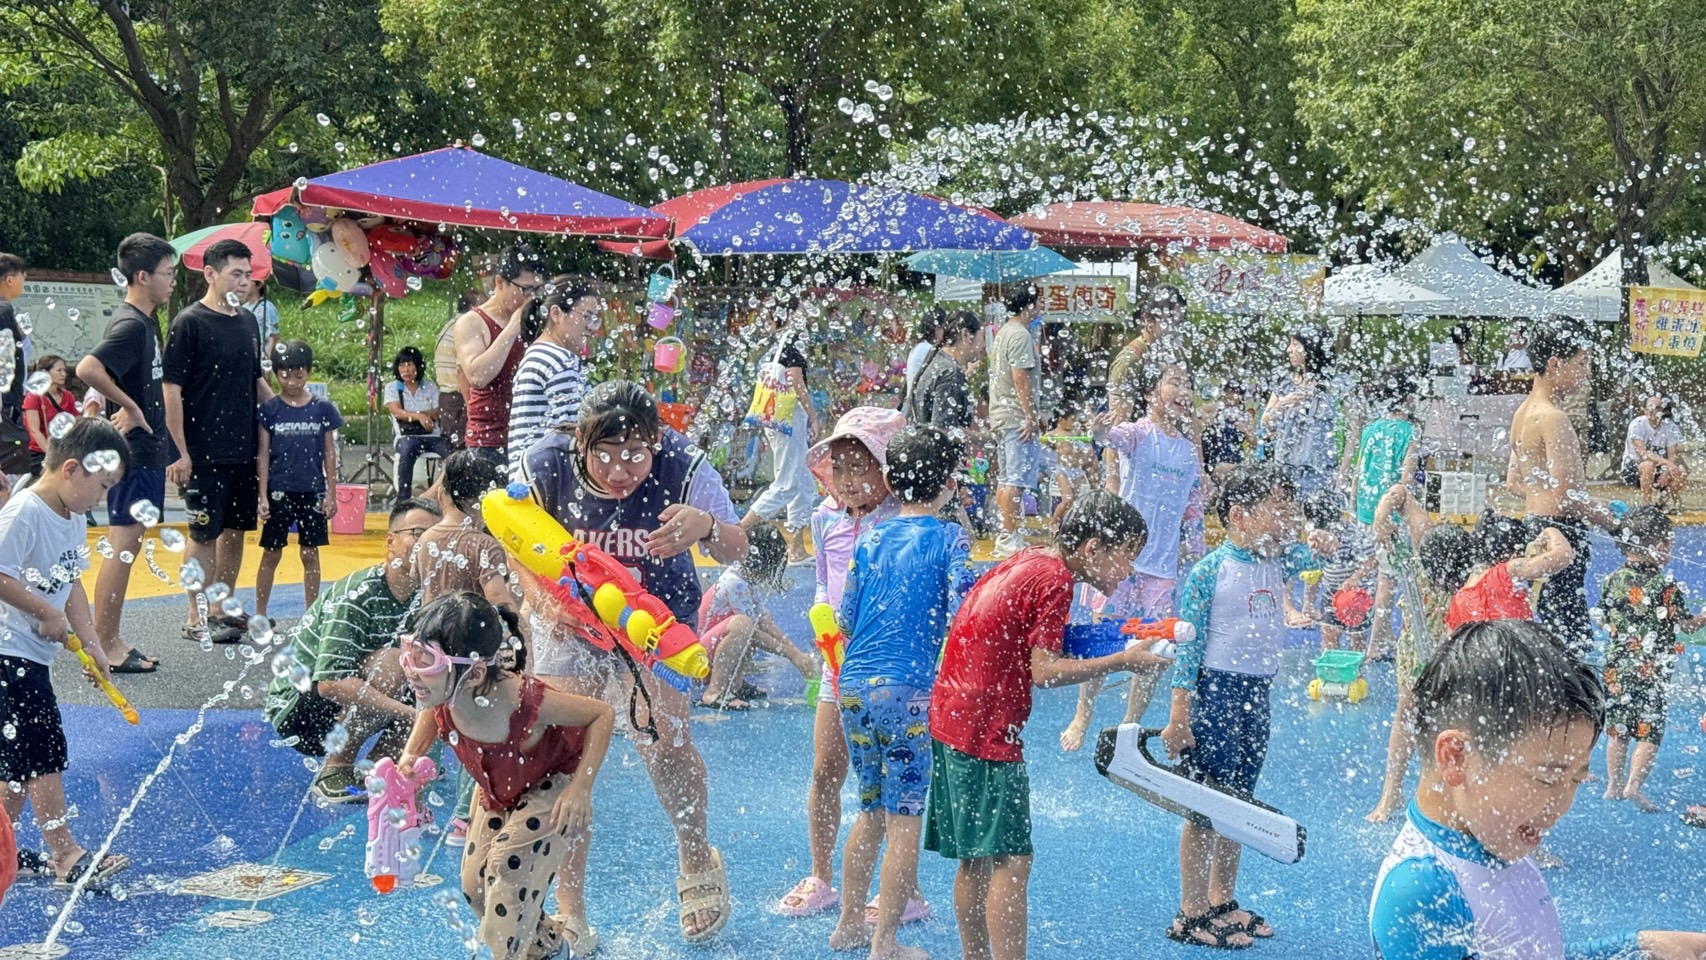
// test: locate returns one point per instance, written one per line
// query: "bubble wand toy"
(112, 692)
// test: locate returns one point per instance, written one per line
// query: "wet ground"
(1104, 883)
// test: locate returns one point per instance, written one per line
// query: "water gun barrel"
(112, 692)
(394, 823)
(1090, 640)
(829, 638)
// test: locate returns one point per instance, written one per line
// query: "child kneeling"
(733, 622)
(533, 753)
(1506, 721)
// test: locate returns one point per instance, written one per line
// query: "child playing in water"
(1160, 473)
(907, 578)
(1501, 763)
(1498, 586)
(1221, 681)
(733, 621)
(849, 463)
(1005, 640)
(532, 751)
(1069, 460)
(1644, 609)
(1386, 454)
(1349, 568)
(43, 552)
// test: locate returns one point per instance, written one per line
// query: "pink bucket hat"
(871, 426)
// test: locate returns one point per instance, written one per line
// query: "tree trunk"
(720, 123)
(796, 114)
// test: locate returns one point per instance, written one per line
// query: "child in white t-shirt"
(733, 622)
(43, 553)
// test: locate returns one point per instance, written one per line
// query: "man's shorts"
(1230, 722)
(302, 510)
(978, 808)
(221, 497)
(310, 720)
(32, 740)
(888, 741)
(138, 484)
(1019, 460)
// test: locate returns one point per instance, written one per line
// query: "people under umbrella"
(578, 574)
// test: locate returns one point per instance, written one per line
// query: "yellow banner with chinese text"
(1666, 322)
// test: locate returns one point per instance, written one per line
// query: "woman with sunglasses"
(489, 352)
(550, 381)
(533, 753)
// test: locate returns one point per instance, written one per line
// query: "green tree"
(199, 89)
(1553, 126)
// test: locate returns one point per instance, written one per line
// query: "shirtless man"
(1547, 469)
(488, 350)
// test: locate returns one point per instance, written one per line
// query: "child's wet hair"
(1644, 526)
(1557, 337)
(1100, 515)
(87, 435)
(1324, 509)
(468, 476)
(617, 411)
(1499, 539)
(464, 624)
(1499, 680)
(1150, 372)
(1447, 553)
(1248, 484)
(921, 459)
(766, 556)
(1393, 387)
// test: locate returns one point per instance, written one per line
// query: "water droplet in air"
(171, 539)
(231, 607)
(60, 425)
(125, 556)
(478, 139)
(190, 575)
(218, 592)
(260, 628)
(72, 313)
(322, 120)
(104, 547)
(145, 512)
(38, 382)
(412, 282)
(234, 300)
(118, 279)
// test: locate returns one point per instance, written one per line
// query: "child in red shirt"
(1007, 638)
(1497, 586)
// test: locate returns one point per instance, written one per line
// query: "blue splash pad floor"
(1104, 882)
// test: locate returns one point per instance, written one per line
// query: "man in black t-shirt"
(212, 385)
(11, 285)
(125, 369)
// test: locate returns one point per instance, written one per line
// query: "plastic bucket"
(352, 508)
(679, 416)
(660, 315)
(667, 355)
(660, 286)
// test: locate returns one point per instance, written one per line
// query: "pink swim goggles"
(427, 659)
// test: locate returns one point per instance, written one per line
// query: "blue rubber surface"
(1104, 882)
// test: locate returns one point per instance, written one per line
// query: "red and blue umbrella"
(824, 216)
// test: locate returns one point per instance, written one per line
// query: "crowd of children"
(927, 702)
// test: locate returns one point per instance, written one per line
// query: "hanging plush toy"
(332, 270)
(289, 236)
(388, 274)
(351, 241)
(395, 239)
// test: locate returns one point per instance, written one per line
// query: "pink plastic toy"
(394, 822)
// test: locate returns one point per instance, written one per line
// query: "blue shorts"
(888, 740)
(1229, 719)
(137, 484)
(1017, 460)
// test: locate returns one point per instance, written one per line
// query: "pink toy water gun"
(394, 822)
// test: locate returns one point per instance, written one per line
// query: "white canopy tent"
(1599, 293)
(1361, 289)
(1445, 280)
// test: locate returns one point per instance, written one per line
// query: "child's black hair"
(617, 410)
(1100, 515)
(921, 460)
(1393, 387)
(140, 253)
(413, 503)
(464, 624)
(1447, 553)
(1559, 337)
(298, 355)
(766, 557)
(1021, 300)
(467, 477)
(1499, 539)
(87, 435)
(1644, 526)
(1499, 680)
(1324, 509)
(1150, 372)
(1248, 484)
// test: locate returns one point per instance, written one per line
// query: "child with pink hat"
(850, 464)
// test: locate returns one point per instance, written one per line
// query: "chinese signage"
(1252, 283)
(1084, 298)
(67, 318)
(1666, 321)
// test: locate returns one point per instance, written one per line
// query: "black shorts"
(221, 497)
(309, 721)
(302, 510)
(1562, 606)
(32, 738)
(1631, 473)
(137, 485)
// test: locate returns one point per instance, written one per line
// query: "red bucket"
(679, 416)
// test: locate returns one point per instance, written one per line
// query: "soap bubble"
(260, 628)
(145, 512)
(218, 592)
(38, 382)
(171, 539)
(190, 575)
(104, 547)
(60, 425)
(231, 607)
(118, 279)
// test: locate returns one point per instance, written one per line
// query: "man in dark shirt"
(212, 385)
(125, 369)
(11, 285)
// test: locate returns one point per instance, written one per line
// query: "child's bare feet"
(1072, 738)
(1640, 801)
(850, 937)
(898, 952)
(1612, 792)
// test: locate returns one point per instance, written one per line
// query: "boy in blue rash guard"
(905, 583)
(1506, 721)
(1221, 678)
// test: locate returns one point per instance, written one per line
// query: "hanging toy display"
(290, 236)
(351, 241)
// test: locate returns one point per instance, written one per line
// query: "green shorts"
(978, 808)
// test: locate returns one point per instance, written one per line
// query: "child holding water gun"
(1507, 568)
(1501, 763)
(533, 753)
(849, 463)
(1161, 474)
(1220, 712)
(733, 621)
(43, 553)
(1644, 608)
(907, 578)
